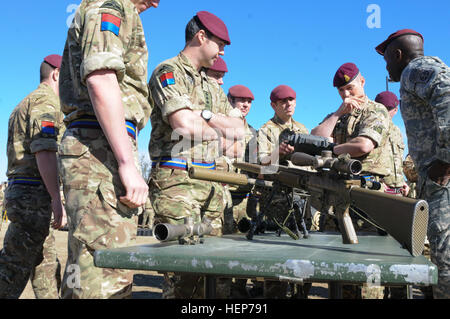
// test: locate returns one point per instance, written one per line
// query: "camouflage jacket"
(269, 133)
(425, 108)
(35, 125)
(409, 170)
(174, 85)
(395, 178)
(373, 121)
(105, 35)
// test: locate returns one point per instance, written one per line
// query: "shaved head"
(411, 45)
(400, 52)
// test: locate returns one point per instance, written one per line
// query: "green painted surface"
(322, 257)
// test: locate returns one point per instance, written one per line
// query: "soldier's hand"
(59, 214)
(135, 186)
(439, 172)
(405, 190)
(348, 105)
(286, 149)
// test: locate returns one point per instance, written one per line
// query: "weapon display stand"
(321, 258)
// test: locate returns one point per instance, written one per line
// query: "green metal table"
(321, 258)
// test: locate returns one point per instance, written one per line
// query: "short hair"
(231, 97)
(193, 27)
(45, 71)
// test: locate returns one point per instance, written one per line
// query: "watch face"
(206, 114)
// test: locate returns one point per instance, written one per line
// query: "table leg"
(334, 290)
(210, 287)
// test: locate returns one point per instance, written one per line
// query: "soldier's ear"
(55, 75)
(201, 36)
(363, 81)
(398, 55)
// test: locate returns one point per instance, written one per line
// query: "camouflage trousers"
(29, 211)
(438, 198)
(234, 213)
(175, 196)
(147, 218)
(96, 217)
(46, 277)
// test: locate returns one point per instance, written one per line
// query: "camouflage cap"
(214, 25)
(346, 73)
(241, 91)
(382, 47)
(219, 66)
(281, 92)
(54, 60)
(388, 99)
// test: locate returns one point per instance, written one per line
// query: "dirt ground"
(147, 284)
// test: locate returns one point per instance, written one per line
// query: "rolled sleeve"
(170, 97)
(102, 61)
(43, 144)
(375, 124)
(103, 49)
(175, 104)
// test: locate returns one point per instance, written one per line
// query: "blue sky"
(298, 43)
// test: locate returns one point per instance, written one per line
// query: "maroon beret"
(282, 92)
(346, 73)
(241, 91)
(382, 47)
(214, 25)
(388, 99)
(219, 65)
(54, 60)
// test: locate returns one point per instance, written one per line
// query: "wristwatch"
(206, 115)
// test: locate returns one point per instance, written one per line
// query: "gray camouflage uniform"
(425, 101)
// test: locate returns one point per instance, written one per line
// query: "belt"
(239, 195)
(92, 123)
(23, 180)
(370, 178)
(180, 163)
(393, 190)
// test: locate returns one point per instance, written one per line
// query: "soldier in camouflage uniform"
(271, 150)
(148, 215)
(360, 127)
(241, 97)
(410, 172)
(104, 95)
(187, 126)
(425, 95)
(216, 74)
(217, 71)
(395, 182)
(2, 197)
(33, 188)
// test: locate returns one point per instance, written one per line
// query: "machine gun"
(336, 183)
(189, 233)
